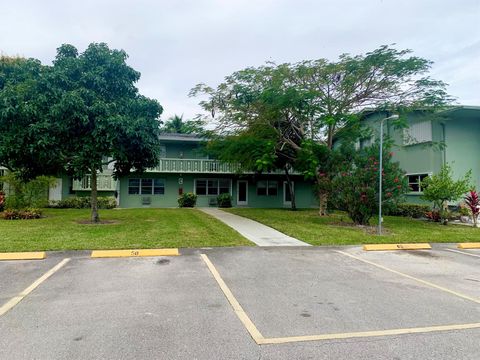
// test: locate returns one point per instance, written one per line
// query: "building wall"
(303, 191)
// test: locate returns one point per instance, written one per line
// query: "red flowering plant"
(356, 183)
(2, 200)
(473, 203)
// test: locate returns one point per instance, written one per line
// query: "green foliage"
(84, 202)
(26, 214)
(176, 124)
(26, 194)
(316, 101)
(89, 99)
(415, 211)
(187, 200)
(355, 184)
(224, 200)
(441, 188)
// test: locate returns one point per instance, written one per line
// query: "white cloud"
(176, 44)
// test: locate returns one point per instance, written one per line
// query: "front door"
(242, 192)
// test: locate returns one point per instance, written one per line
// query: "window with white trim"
(267, 187)
(417, 133)
(415, 182)
(146, 186)
(212, 186)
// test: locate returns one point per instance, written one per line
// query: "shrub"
(441, 188)
(473, 202)
(30, 194)
(84, 202)
(415, 211)
(224, 200)
(26, 214)
(187, 200)
(433, 215)
(355, 185)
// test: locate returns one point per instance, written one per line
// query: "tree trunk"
(93, 186)
(323, 200)
(290, 189)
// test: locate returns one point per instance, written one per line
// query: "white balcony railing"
(194, 166)
(105, 182)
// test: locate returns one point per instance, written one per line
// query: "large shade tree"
(313, 102)
(80, 113)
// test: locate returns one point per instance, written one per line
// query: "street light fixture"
(380, 175)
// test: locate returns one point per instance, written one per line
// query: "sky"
(178, 44)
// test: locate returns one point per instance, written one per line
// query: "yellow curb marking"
(242, 315)
(463, 252)
(14, 301)
(386, 247)
(469, 245)
(134, 253)
(463, 296)
(392, 332)
(23, 256)
(260, 340)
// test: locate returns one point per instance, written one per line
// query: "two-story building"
(184, 168)
(430, 140)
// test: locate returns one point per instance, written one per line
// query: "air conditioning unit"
(146, 200)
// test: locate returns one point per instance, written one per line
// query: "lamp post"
(380, 175)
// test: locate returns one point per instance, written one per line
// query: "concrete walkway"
(260, 234)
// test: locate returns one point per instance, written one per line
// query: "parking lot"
(245, 303)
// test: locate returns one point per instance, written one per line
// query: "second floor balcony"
(205, 166)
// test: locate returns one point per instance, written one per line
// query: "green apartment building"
(431, 140)
(184, 168)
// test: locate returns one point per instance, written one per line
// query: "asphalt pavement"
(304, 302)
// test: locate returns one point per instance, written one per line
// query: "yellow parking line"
(242, 315)
(283, 340)
(23, 256)
(14, 301)
(466, 297)
(134, 253)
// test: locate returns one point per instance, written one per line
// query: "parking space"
(304, 302)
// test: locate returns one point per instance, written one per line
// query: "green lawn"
(132, 228)
(337, 229)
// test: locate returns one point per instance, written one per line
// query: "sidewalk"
(260, 234)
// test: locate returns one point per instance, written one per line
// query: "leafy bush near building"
(187, 200)
(26, 214)
(415, 211)
(84, 202)
(26, 194)
(356, 182)
(224, 200)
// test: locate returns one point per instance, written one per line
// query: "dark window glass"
(201, 187)
(133, 186)
(212, 187)
(147, 185)
(261, 187)
(224, 186)
(158, 186)
(272, 188)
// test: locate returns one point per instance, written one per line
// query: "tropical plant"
(224, 200)
(441, 188)
(473, 202)
(355, 185)
(176, 124)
